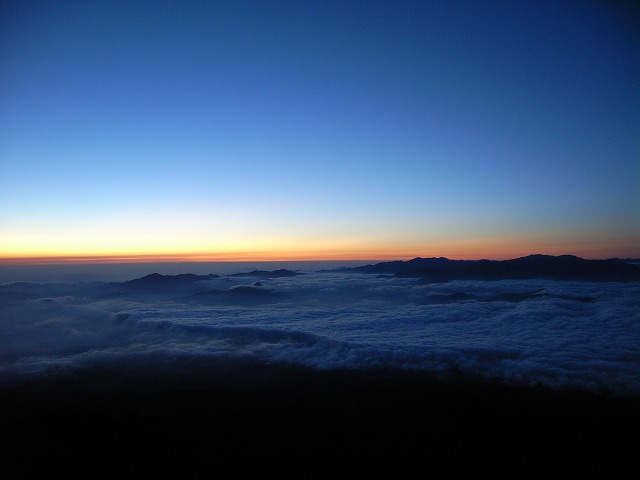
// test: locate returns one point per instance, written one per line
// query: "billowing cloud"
(555, 333)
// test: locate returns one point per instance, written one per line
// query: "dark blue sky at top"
(442, 120)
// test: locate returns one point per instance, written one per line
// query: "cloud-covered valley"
(561, 334)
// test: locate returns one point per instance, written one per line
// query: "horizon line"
(227, 258)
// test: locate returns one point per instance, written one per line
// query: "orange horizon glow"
(456, 252)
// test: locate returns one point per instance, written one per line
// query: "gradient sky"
(347, 129)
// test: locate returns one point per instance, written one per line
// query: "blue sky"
(319, 129)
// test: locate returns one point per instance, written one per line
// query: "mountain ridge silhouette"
(561, 267)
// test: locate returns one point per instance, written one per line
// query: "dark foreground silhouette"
(256, 418)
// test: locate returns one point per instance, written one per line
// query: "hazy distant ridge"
(563, 267)
(283, 272)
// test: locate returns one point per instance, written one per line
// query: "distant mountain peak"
(283, 272)
(560, 267)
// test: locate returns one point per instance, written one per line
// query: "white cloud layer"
(559, 334)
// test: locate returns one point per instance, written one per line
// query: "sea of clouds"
(559, 334)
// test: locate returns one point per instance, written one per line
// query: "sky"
(318, 130)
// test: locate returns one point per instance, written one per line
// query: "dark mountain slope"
(563, 267)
